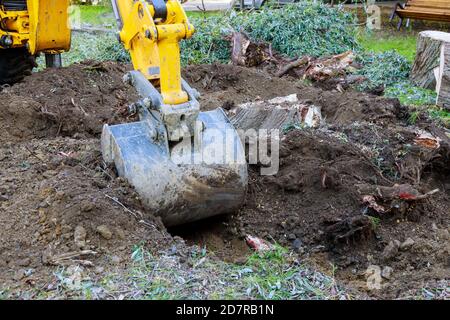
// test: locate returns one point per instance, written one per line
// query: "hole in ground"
(214, 234)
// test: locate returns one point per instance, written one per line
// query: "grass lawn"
(271, 275)
(404, 44)
(99, 15)
(200, 14)
(95, 15)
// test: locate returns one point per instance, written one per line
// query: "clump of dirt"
(338, 197)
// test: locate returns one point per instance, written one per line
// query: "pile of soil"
(315, 205)
(70, 102)
(57, 196)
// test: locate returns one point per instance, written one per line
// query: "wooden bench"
(438, 10)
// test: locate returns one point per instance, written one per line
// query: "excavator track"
(15, 64)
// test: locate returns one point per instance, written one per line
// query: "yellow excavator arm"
(149, 30)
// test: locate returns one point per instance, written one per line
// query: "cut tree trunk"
(443, 78)
(427, 62)
(278, 113)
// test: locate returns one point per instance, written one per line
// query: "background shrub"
(100, 47)
(209, 44)
(383, 69)
(304, 28)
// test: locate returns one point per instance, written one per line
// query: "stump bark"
(443, 78)
(427, 62)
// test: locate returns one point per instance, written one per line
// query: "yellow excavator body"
(38, 25)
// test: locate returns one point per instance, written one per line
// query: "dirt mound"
(77, 101)
(57, 196)
(316, 205)
(228, 85)
(73, 101)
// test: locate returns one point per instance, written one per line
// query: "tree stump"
(426, 65)
(443, 78)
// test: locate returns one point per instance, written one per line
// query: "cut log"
(443, 78)
(429, 44)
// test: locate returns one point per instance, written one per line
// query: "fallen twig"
(57, 260)
(426, 195)
(77, 106)
(122, 205)
(34, 154)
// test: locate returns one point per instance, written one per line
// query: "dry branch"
(295, 64)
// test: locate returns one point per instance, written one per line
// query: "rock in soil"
(116, 260)
(387, 273)
(23, 262)
(297, 246)
(391, 250)
(407, 244)
(87, 206)
(80, 237)
(105, 232)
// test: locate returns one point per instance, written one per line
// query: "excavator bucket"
(200, 176)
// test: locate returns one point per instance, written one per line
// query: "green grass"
(274, 274)
(441, 114)
(100, 15)
(375, 221)
(433, 112)
(405, 45)
(201, 14)
(95, 15)
(4, 294)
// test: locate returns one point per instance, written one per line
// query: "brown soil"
(316, 200)
(226, 85)
(70, 102)
(52, 177)
(52, 186)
